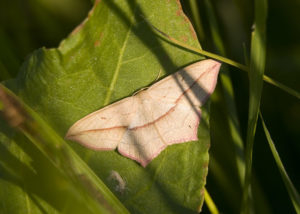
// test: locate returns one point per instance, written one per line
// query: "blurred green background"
(28, 25)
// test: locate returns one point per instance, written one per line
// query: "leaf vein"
(118, 67)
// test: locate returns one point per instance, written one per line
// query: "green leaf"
(112, 54)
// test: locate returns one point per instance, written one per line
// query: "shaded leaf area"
(57, 175)
(30, 184)
(14, 198)
(112, 54)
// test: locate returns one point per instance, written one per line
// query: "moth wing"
(148, 110)
(194, 82)
(104, 128)
(143, 125)
(144, 143)
(141, 144)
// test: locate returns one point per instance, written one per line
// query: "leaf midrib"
(118, 67)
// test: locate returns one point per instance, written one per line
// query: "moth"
(142, 126)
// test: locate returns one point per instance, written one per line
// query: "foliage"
(121, 47)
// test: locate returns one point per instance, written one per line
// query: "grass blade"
(293, 193)
(256, 72)
(225, 60)
(228, 92)
(282, 86)
(87, 188)
(210, 203)
(197, 19)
